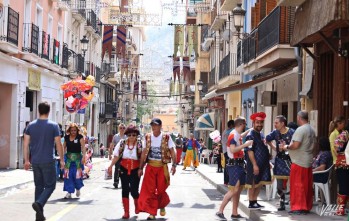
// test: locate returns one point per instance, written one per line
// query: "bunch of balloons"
(78, 93)
(215, 136)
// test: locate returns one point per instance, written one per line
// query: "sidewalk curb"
(253, 216)
(19, 186)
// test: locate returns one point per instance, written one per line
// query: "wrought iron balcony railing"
(45, 46)
(98, 74)
(107, 110)
(224, 67)
(80, 67)
(275, 29)
(212, 77)
(239, 54)
(91, 19)
(31, 38)
(9, 23)
(65, 56)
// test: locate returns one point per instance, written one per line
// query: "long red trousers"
(179, 154)
(153, 194)
(301, 188)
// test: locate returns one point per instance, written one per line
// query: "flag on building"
(121, 44)
(176, 68)
(178, 41)
(56, 45)
(107, 40)
(186, 68)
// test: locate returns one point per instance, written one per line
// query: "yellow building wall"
(168, 122)
(233, 103)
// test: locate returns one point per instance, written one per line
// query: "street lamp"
(200, 84)
(239, 17)
(84, 43)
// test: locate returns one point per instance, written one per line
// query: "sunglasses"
(132, 135)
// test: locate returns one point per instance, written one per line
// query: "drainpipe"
(298, 55)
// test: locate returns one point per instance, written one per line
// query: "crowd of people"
(243, 153)
(248, 161)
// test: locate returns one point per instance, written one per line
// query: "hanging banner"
(144, 90)
(176, 68)
(172, 85)
(135, 90)
(178, 40)
(107, 40)
(34, 80)
(186, 68)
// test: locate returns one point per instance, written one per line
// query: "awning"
(248, 84)
(308, 77)
(210, 95)
(205, 122)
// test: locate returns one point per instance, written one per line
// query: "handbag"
(346, 152)
(223, 160)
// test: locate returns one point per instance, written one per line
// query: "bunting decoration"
(107, 40)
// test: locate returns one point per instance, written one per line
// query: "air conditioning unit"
(269, 98)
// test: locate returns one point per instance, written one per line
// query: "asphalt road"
(192, 198)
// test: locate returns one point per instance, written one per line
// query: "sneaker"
(39, 211)
(183, 168)
(259, 205)
(68, 196)
(238, 216)
(162, 212)
(115, 185)
(78, 193)
(220, 216)
(151, 217)
(253, 206)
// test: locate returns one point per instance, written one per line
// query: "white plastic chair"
(205, 155)
(325, 187)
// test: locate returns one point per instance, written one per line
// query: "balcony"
(65, 56)
(31, 43)
(98, 74)
(206, 38)
(80, 67)
(224, 67)
(212, 77)
(219, 21)
(9, 23)
(239, 55)
(78, 9)
(270, 46)
(107, 110)
(63, 5)
(229, 5)
(45, 46)
(91, 21)
(98, 32)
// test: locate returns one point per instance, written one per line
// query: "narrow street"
(192, 198)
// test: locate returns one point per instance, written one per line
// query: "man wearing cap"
(158, 151)
(257, 168)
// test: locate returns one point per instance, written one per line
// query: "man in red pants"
(179, 148)
(158, 151)
(301, 176)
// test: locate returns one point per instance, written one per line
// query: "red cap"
(258, 116)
